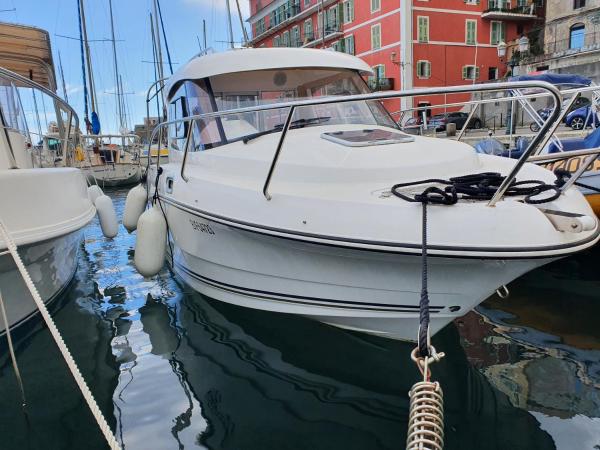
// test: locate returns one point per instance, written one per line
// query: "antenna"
(204, 32)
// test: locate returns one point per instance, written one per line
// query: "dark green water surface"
(172, 369)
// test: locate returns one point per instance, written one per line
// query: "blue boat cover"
(95, 123)
(592, 140)
(554, 78)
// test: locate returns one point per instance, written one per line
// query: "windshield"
(247, 89)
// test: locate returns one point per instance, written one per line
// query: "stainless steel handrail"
(553, 92)
(32, 84)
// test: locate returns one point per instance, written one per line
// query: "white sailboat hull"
(45, 211)
(51, 265)
(114, 175)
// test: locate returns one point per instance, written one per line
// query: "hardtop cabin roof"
(26, 51)
(252, 59)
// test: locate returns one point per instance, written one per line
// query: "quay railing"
(538, 141)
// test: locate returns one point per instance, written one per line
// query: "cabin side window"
(177, 111)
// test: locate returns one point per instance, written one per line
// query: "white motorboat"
(43, 208)
(287, 206)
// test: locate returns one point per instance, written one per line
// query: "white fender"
(151, 243)
(94, 192)
(135, 204)
(107, 216)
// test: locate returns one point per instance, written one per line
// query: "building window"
(577, 36)
(471, 32)
(493, 73)
(497, 33)
(260, 27)
(306, 3)
(332, 20)
(296, 42)
(348, 6)
(578, 4)
(285, 40)
(378, 71)
(277, 41)
(349, 44)
(423, 22)
(308, 30)
(423, 69)
(376, 36)
(470, 72)
(375, 5)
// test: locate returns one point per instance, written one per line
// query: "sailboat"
(45, 205)
(110, 160)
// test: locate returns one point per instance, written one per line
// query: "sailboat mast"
(116, 67)
(156, 28)
(229, 24)
(88, 57)
(62, 77)
(245, 33)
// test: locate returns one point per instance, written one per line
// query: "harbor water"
(172, 369)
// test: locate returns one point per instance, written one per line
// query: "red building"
(447, 42)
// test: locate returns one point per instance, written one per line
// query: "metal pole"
(244, 32)
(204, 33)
(229, 24)
(116, 67)
(62, 76)
(156, 29)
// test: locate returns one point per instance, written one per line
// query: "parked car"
(544, 113)
(439, 121)
(581, 117)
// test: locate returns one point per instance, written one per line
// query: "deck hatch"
(367, 137)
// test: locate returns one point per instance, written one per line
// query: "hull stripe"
(304, 300)
(393, 248)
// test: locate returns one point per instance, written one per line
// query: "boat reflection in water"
(172, 369)
(541, 347)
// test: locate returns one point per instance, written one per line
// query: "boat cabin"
(251, 77)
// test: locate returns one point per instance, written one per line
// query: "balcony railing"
(380, 84)
(503, 10)
(587, 42)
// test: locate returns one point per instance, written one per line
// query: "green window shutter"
(423, 29)
(476, 73)
(471, 32)
(428, 69)
(465, 72)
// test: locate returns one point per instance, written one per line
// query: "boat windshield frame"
(194, 97)
(538, 142)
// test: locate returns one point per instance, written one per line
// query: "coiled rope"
(426, 415)
(64, 350)
(480, 186)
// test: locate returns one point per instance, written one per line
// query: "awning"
(27, 51)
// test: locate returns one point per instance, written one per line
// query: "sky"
(183, 26)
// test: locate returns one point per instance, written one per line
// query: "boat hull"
(368, 291)
(114, 175)
(51, 264)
